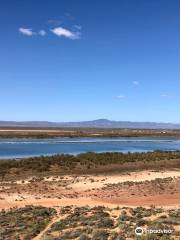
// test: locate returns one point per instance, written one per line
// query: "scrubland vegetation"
(24, 223)
(100, 223)
(86, 223)
(89, 162)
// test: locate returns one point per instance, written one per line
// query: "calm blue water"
(17, 148)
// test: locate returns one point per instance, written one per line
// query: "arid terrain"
(86, 223)
(143, 188)
(79, 198)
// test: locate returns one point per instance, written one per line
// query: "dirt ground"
(144, 188)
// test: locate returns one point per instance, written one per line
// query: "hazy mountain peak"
(98, 123)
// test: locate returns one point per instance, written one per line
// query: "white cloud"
(63, 32)
(42, 32)
(121, 96)
(58, 31)
(26, 31)
(135, 82)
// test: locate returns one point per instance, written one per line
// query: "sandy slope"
(85, 188)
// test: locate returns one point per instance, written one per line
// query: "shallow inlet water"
(18, 148)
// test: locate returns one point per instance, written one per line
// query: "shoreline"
(89, 140)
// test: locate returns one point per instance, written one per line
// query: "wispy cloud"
(42, 33)
(78, 27)
(54, 23)
(26, 31)
(164, 95)
(121, 96)
(74, 33)
(135, 82)
(63, 32)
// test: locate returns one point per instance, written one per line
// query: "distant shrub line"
(87, 160)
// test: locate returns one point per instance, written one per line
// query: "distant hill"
(99, 123)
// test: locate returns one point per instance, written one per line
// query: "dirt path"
(38, 237)
(164, 200)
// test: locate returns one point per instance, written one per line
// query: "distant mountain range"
(99, 123)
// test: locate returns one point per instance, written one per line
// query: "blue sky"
(81, 60)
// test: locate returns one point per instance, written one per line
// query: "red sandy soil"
(95, 190)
